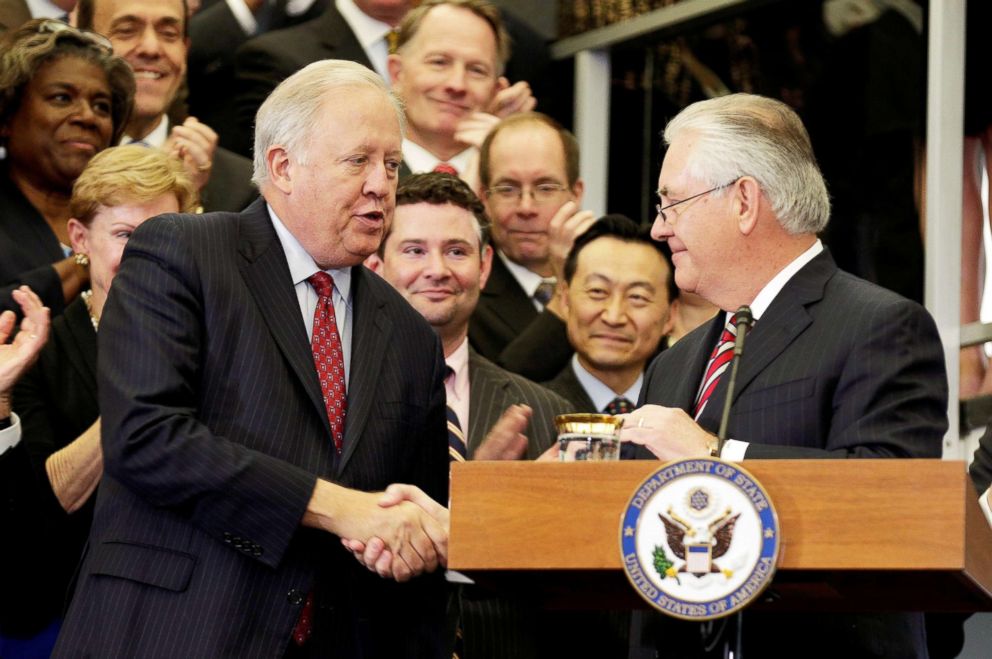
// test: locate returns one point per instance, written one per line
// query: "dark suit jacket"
(836, 367)
(230, 187)
(493, 389)
(214, 434)
(507, 329)
(28, 248)
(265, 61)
(567, 385)
(56, 402)
(214, 37)
(13, 13)
(981, 465)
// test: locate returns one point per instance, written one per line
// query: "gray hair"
(289, 115)
(748, 135)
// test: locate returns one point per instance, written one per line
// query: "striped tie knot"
(720, 359)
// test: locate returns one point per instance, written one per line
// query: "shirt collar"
(528, 279)
(156, 138)
(45, 9)
(301, 264)
(458, 362)
(599, 393)
(771, 290)
(420, 160)
(367, 30)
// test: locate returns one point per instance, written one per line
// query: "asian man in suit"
(618, 288)
(834, 367)
(261, 388)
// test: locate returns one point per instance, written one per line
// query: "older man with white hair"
(834, 367)
(261, 388)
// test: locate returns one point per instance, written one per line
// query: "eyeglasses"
(661, 209)
(542, 193)
(55, 27)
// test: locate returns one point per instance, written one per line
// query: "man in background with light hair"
(262, 388)
(834, 367)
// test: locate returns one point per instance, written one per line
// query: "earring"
(82, 259)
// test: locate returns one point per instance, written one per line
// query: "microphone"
(744, 321)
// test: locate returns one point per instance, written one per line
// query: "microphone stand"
(744, 321)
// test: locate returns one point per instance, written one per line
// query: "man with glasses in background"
(529, 169)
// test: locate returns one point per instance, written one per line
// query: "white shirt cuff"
(983, 501)
(734, 450)
(10, 437)
(243, 16)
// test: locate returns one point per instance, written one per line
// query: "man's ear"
(280, 168)
(394, 65)
(578, 190)
(747, 203)
(487, 265)
(374, 263)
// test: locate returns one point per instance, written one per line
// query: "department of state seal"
(699, 539)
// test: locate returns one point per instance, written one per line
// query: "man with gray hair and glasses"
(263, 389)
(834, 367)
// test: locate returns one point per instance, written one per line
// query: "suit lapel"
(784, 320)
(371, 330)
(267, 277)
(487, 398)
(502, 291)
(574, 390)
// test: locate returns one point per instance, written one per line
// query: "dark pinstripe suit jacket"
(493, 389)
(214, 434)
(836, 367)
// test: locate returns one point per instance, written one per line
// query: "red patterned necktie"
(723, 353)
(445, 168)
(328, 356)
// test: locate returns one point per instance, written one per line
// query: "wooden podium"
(856, 535)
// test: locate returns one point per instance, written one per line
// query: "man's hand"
(472, 131)
(565, 226)
(373, 553)
(412, 529)
(668, 432)
(507, 439)
(17, 357)
(194, 144)
(511, 99)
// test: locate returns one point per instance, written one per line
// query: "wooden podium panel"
(855, 534)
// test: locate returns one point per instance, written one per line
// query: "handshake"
(399, 533)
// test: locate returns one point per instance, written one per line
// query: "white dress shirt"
(528, 279)
(45, 9)
(10, 436)
(420, 160)
(301, 267)
(599, 393)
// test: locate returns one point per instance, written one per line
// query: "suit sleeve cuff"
(983, 501)
(243, 16)
(734, 450)
(10, 437)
